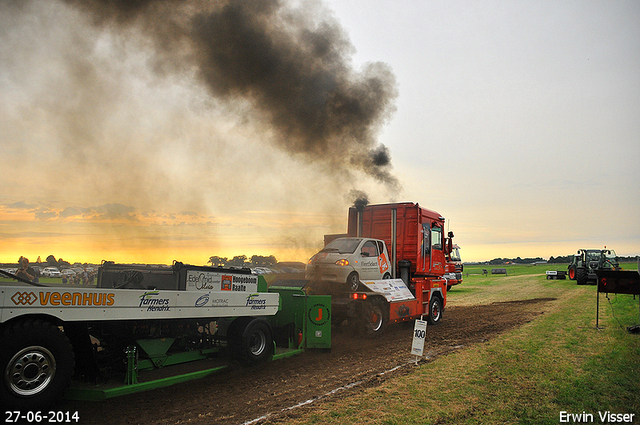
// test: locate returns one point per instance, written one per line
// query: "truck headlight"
(342, 262)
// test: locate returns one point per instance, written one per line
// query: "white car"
(68, 273)
(51, 272)
(348, 260)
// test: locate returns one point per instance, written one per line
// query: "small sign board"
(419, 334)
(618, 281)
(392, 289)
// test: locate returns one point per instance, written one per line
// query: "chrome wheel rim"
(30, 371)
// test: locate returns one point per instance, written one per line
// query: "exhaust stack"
(394, 240)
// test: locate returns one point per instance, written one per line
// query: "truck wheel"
(251, 340)
(572, 273)
(386, 276)
(435, 310)
(581, 276)
(374, 317)
(37, 363)
(353, 281)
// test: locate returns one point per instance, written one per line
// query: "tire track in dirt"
(268, 392)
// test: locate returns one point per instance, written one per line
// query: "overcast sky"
(518, 121)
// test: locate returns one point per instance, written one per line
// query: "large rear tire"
(37, 362)
(374, 317)
(581, 276)
(251, 340)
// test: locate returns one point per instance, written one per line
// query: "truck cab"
(454, 266)
(348, 260)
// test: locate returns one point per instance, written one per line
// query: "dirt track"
(268, 392)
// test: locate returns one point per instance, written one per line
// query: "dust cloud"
(214, 107)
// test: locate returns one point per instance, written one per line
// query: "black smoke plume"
(292, 66)
(360, 199)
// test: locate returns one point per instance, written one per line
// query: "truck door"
(432, 249)
(437, 249)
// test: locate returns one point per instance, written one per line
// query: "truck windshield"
(342, 245)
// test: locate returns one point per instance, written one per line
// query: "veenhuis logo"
(64, 298)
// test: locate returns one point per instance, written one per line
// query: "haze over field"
(161, 130)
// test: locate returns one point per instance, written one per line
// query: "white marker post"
(419, 334)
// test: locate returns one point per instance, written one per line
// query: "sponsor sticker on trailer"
(152, 301)
(62, 298)
(256, 302)
(212, 281)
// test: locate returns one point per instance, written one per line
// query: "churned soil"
(272, 391)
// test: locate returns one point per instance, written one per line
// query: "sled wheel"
(37, 363)
(251, 340)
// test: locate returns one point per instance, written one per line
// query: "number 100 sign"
(419, 334)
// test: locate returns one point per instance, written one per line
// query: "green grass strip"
(557, 363)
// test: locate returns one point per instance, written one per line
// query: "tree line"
(243, 261)
(50, 262)
(517, 260)
(561, 259)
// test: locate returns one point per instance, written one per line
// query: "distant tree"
(628, 258)
(216, 261)
(238, 261)
(261, 261)
(51, 260)
(560, 259)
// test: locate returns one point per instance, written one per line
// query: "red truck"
(454, 265)
(418, 251)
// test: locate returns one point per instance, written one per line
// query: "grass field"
(558, 363)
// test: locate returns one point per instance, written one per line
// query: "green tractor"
(586, 261)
